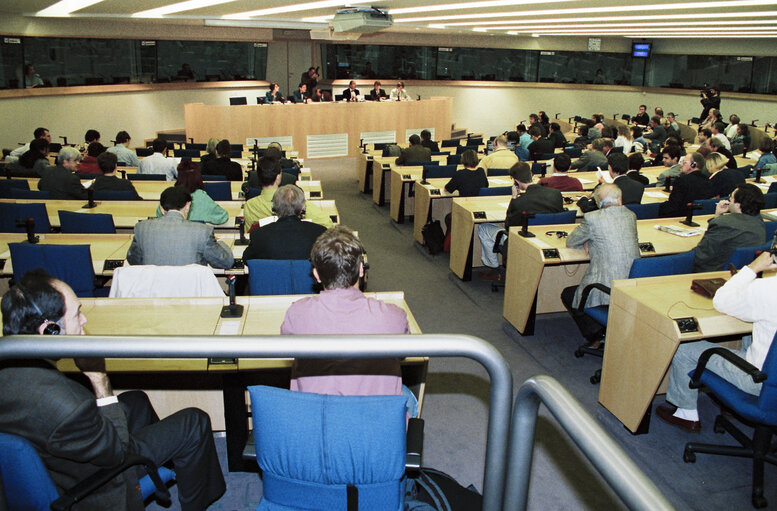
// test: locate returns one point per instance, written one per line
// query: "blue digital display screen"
(641, 50)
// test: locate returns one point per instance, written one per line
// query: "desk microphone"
(90, 199)
(29, 225)
(689, 219)
(668, 184)
(525, 216)
(758, 175)
(123, 174)
(241, 228)
(64, 139)
(233, 310)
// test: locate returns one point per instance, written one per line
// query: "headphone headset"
(693, 164)
(51, 328)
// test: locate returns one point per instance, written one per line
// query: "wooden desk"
(642, 337)
(381, 181)
(349, 119)
(364, 163)
(539, 268)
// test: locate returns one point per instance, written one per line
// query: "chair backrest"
(454, 159)
(211, 177)
(644, 211)
(772, 188)
(253, 192)
(707, 206)
(421, 163)
(20, 193)
(7, 184)
(311, 447)
(148, 281)
(84, 223)
(675, 264)
(743, 256)
(547, 156)
(539, 168)
(146, 177)
(767, 400)
(71, 264)
(460, 149)
(219, 190)
(27, 484)
(238, 101)
(498, 172)
(10, 213)
(144, 151)
(435, 171)
(123, 195)
(771, 228)
(279, 277)
(770, 200)
(573, 152)
(451, 142)
(495, 190)
(198, 147)
(379, 146)
(565, 217)
(188, 153)
(474, 141)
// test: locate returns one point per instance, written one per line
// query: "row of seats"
(20, 189)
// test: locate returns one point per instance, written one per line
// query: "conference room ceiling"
(520, 18)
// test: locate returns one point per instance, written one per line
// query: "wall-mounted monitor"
(640, 50)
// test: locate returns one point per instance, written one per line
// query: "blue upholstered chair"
(7, 184)
(759, 412)
(421, 163)
(495, 190)
(219, 190)
(565, 217)
(71, 264)
(744, 255)
(436, 171)
(10, 213)
(771, 228)
(186, 153)
(770, 200)
(451, 142)
(460, 149)
(86, 223)
(123, 195)
(573, 152)
(253, 192)
(146, 177)
(329, 453)
(19, 193)
(144, 151)
(279, 277)
(454, 159)
(27, 484)
(707, 206)
(644, 211)
(539, 168)
(211, 177)
(498, 172)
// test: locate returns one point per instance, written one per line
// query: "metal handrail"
(322, 346)
(628, 481)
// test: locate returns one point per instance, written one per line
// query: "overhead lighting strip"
(65, 7)
(309, 6)
(188, 5)
(573, 30)
(470, 5)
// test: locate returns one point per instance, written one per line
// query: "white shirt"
(125, 155)
(157, 163)
(399, 95)
(623, 142)
(17, 153)
(755, 301)
(723, 139)
(731, 131)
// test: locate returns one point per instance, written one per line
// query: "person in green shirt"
(203, 208)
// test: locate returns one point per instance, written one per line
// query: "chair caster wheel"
(596, 378)
(689, 456)
(578, 353)
(759, 502)
(718, 426)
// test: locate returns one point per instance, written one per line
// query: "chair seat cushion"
(598, 314)
(746, 405)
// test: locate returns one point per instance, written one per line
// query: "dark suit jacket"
(636, 176)
(558, 139)
(431, 145)
(347, 93)
(541, 146)
(288, 238)
(725, 181)
(73, 436)
(115, 184)
(61, 184)
(631, 189)
(414, 153)
(687, 188)
(536, 199)
(374, 96)
(725, 234)
(223, 167)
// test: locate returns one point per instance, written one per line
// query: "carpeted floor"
(455, 408)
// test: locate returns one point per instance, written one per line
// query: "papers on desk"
(499, 181)
(229, 328)
(656, 195)
(87, 184)
(683, 232)
(267, 220)
(585, 181)
(503, 204)
(603, 176)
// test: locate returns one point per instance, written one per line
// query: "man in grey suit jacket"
(77, 431)
(416, 152)
(172, 240)
(609, 234)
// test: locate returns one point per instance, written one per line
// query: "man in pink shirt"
(560, 180)
(342, 309)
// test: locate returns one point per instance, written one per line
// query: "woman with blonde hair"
(624, 139)
(211, 150)
(723, 180)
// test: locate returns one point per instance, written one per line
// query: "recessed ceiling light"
(535, 35)
(188, 5)
(470, 5)
(598, 19)
(65, 7)
(308, 6)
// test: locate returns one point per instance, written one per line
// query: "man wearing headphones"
(77, 432)
(691, 186)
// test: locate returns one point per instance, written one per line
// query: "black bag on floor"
(434, 239)
(433, 490)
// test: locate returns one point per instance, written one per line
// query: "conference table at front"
(217, 386)
(539, 268)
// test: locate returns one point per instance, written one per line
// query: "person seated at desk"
(222, 165)
(377, 94)
(272, 158)
(723, 180)
(534, 121)
(641, 118)
(19, 151)
(159, 163)
(426, 141)
(172, 240)
(210, 151)
(261, 206)
(609, 235)
(351, 93)
(60, 181)
(126, 155)
(705, 135)
(691, 186)
(90, 136)
(617, 167)
(656, 136)
(555, 135)
(767, 158)
(108, 180)
(33, 162)
(716, 146)
(717, 129)
(559, 179)
(89, 164)
(540, 145)
(635, 164)
(501, 158)
(203, 208)
(534, 199)
(737, 224)
(399, 93)
(670, 157)
(77, 429)
(524, 139)
(415, 152)
(743, 297)
(469, 180)
(320, 96)
(595, 157)
(274, 94)
(337, 258)
(289, 237)
(301, 94)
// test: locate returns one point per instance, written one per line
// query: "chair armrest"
(498, 240)
(415, 444)
(81, 490)
(587, 291)
(739, 362)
